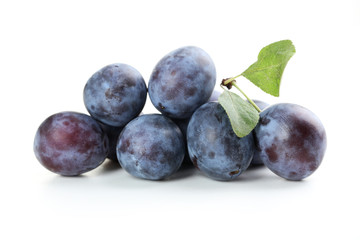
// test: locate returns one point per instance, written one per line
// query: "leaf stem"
(251, 101)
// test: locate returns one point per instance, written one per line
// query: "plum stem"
(231, 82)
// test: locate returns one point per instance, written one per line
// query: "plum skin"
(290, 140)
(70, 143)
(182, 81)
(183, 124)
(115, 94)
(151, 147)
(213, 146)
(112, 134)
(256, 161)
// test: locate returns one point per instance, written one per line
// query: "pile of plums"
(192, 127)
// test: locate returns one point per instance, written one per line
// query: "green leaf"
(243, 117)
(266, 73)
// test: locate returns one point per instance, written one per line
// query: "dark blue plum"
(256, 161)
(183, 124)
(70, 143)
(213, 146)
(214, 96)
(115, 94)
(113, 135)
(151, 147)
(182, 81)
(290, 140)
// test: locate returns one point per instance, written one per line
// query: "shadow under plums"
(109, 166)
(260, 177)
(111, 175)
(185, 171)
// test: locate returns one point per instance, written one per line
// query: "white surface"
(48, 51)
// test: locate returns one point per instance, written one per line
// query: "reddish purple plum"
(70, 143)
(290, 140)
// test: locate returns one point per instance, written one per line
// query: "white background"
(48, 50)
